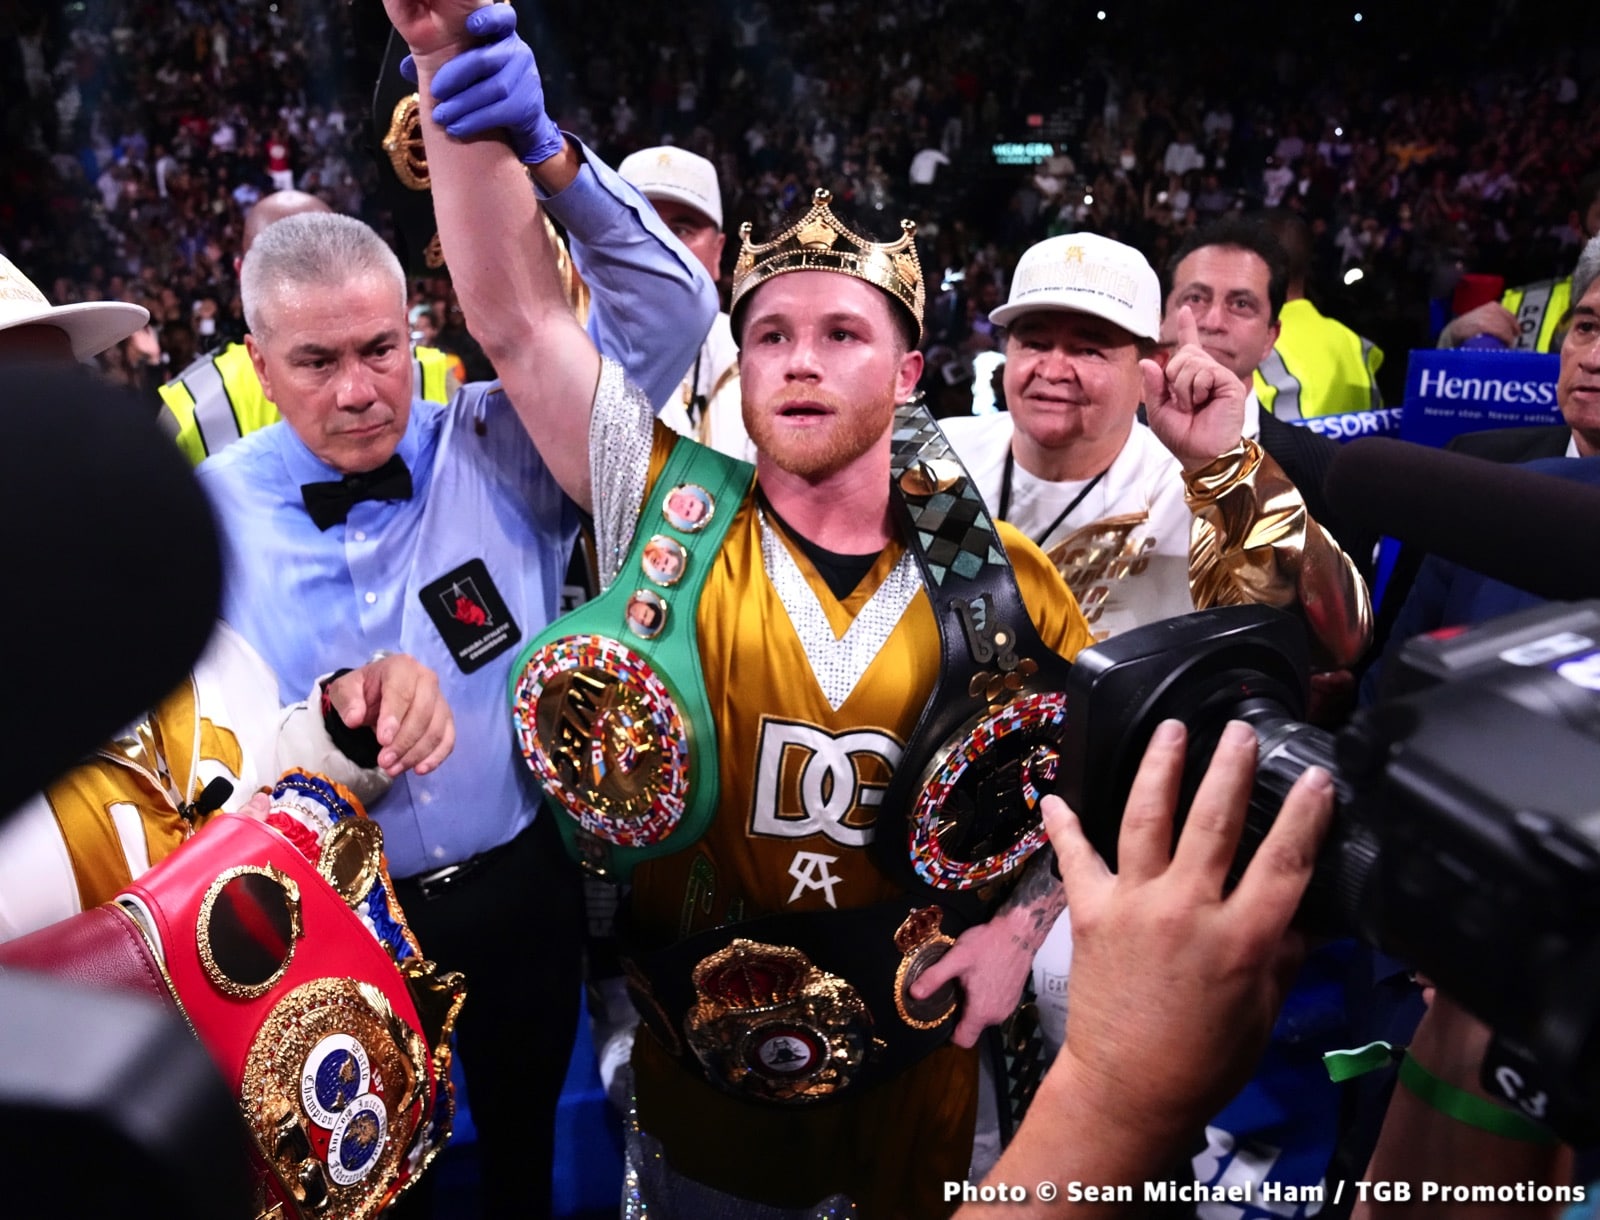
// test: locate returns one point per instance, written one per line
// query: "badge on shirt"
(471, 615)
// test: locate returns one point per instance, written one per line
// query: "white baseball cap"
(92, 326)
(1086, 273)
(669, 172)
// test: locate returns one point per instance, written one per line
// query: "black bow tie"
(329, 503)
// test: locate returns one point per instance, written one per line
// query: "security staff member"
(1318, 366)
(1530, 317)
(218, 398)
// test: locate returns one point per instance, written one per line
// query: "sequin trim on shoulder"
(621, 426)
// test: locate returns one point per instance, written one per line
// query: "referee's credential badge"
(471, 615)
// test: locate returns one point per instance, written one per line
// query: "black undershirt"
(841, 573)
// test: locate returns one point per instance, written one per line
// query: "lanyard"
(1005, 498)
(694, 402)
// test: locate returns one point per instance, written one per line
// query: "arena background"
(1421, 141)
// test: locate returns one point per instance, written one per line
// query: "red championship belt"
(281, 944)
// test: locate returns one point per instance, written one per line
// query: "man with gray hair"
(1579, 434)
(1430, 593)
(374, 520)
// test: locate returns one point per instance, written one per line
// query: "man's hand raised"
(1195, 406)
(494, 86)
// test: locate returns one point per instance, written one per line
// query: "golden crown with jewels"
(819, 241)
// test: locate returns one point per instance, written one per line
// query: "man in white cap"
(33, 329)
(682, 187)
(1145, 522)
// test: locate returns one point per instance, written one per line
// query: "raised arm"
(1253, 541)
(503, 269)
(637, 272)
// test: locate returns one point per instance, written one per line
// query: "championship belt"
(963, 806)
(283, 948)
(801, 1008)
(609, 701)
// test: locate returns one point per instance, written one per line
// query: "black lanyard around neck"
(1005, 498)
(696, 403)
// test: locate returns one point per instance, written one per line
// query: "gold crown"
(819, 241)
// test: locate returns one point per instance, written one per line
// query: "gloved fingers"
(472, 67)
(482, 119)
(494, 21)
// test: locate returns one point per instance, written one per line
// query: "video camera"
(1467, 835)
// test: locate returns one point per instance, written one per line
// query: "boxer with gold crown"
(738, 739)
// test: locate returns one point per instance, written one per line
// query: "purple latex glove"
(495, 85)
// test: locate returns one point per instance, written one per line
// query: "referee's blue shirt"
(313, 601)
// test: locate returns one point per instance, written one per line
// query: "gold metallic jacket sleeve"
(1252, 541)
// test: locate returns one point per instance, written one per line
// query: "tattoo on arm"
(1039, 898)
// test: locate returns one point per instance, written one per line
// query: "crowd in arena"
(144, 132)
(763, 696)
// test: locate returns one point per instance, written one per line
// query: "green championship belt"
(609, 701)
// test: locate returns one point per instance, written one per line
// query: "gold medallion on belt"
(771, 1026)
(330, 1091)
(921, 943)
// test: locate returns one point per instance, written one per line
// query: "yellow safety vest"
(1318, 366)
(1539, 309)
(218, 398)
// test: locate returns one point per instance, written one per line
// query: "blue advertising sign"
(1347, 425)
(1450, 392)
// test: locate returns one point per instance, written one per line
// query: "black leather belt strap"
(435, 883)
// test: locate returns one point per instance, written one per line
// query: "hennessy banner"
(1450, 392)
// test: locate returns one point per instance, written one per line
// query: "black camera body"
(1467, 840)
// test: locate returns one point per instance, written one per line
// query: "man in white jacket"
(1144, 526)
(683, 188)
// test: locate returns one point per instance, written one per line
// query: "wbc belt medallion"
(605, 737)
(770, 1025)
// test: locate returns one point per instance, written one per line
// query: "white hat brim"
(1085, 303)
(677, 194)
(92, 326)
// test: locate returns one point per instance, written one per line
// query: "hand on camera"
(1175, 985)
